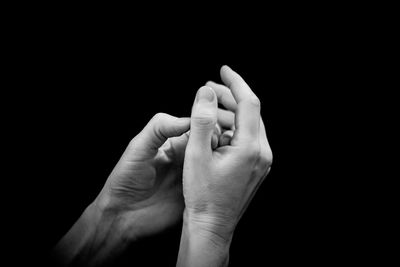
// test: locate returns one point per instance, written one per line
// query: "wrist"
(220, 226)
(93, 239)
(113, 219)
(204, 242)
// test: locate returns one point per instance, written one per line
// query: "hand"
(142, 196)
(219, 184)
(144, 190)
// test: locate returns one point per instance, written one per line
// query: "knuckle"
(204, 121)
(159, 116)
(263, 163)
(255, 101)
(209, 83)
(270, 157)
(252, 152)
(266, 158)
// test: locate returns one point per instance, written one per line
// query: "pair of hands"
(209, 174)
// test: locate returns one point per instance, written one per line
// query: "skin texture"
(219, 184)
(145, 185)
(208, 174)
(142, 195)
(145, 188)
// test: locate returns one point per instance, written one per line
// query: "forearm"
(202, 244)
(93, 239)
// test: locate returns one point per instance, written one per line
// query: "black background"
(84, 91)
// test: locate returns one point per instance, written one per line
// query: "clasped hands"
(206, 168)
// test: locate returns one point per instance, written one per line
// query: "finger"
(176, 148)
(224, 95)
(239, 88)
(226, 119)
(225, 138)
(214, 141)
(215, 136)
(217, 129)
(203, 121)
(247, 116)
(161, 127)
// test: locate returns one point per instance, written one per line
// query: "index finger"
(247, 117)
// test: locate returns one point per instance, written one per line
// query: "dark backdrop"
(87, 92)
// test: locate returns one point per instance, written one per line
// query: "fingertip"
(226, 75)
(210, 83)
(205, 105)
(218, 129)
(214, 141)
(183, 123)
(206, 94)
(225, 138)
(225, 67)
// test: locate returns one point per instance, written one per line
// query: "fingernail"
(217, 130)
(205, 94)
(226, 67)
(214, 141)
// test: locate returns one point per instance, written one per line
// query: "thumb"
(161, 127)
(203, 121)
